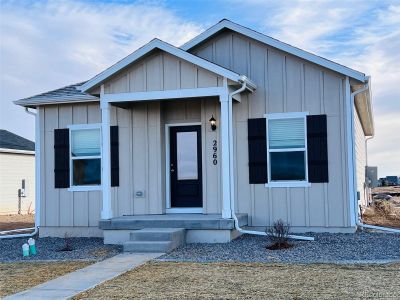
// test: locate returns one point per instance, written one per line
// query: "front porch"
(199, 228)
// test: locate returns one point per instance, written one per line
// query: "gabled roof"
(67, 94)
(9, 140)
(227, 24)
(161, 45)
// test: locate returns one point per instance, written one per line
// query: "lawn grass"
(17, 277)
(169, 280)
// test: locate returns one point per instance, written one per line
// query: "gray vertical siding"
(142, 159)
(161, 71)
(285, 84)
(60, 207)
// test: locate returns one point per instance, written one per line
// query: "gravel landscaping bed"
(48, 249)
(327, 248)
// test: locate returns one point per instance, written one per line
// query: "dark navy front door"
(185, 166)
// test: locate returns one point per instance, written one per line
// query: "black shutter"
(257, 136)
(317, 148)
(114, 155)
(61, 158)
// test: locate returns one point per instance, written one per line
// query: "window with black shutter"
(61, 158)
(288, 149)
(257, 150)
(114, 156)
(317, 148)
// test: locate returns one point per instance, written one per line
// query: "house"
(231, 124)
(17, 174)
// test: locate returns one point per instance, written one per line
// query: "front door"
(185, 166)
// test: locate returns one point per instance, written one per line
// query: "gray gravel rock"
(327, 248)
(49, 249)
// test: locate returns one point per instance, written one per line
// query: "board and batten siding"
(360, 152)
(285, 84)
(141, 155)
(60, 207)
(161, 71)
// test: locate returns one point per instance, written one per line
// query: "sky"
(45, 45)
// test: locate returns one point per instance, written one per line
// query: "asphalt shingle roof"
(70, 93)
(9, 140)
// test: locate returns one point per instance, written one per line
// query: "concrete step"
(149, 246)
(159, 234)
(155, 240)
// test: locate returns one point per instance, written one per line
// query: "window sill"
(287, 184)
(83, 188)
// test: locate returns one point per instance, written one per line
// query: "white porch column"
(225, 157)
(106, 212)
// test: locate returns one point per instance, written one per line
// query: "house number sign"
(215, 156)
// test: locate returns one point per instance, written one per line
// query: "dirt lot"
(9, 222)
(168, 280)
(16, 277)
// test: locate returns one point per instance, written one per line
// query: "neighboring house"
(372, 176)
(17, 172)
(392, 180)
(233, 121)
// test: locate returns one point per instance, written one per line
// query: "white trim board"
(164, 95)
(226, 24)
(168, 209)
(158, 44)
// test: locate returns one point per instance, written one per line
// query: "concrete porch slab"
(185, 221)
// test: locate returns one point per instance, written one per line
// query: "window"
(286, 149)
(85, 153)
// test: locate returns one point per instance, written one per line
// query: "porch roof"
(68, 94)
(163, 46)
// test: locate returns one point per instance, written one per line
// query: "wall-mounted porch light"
(213, 123)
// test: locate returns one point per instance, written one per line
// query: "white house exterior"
(17, 172)
(137, 140)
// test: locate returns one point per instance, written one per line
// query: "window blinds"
(286, 133)
(85, 142)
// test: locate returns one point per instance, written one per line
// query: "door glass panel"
(186, 144)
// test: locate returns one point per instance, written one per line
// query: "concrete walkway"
(71, 284)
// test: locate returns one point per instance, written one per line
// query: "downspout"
(8, 233)
(358, 220)
(245, 85)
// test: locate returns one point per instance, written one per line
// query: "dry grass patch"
(168, 280)
(382, 213)
(17, 277)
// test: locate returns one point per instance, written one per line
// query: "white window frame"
(83, 188)
(291, 183)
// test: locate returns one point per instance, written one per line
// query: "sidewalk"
(71, 284)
